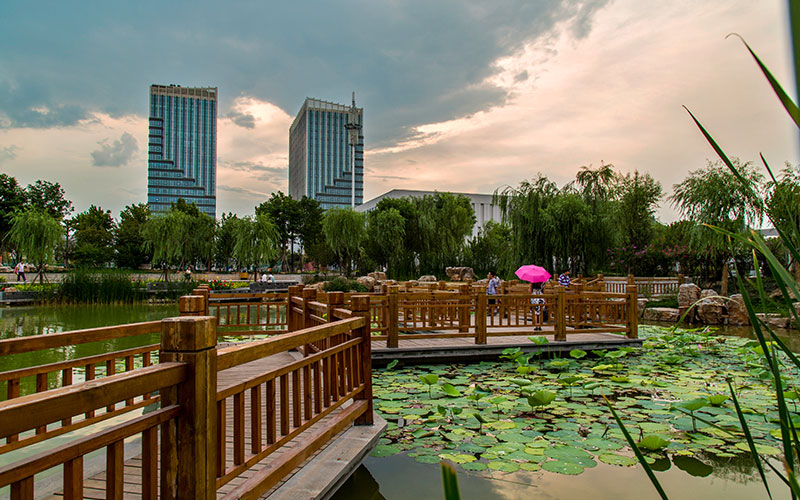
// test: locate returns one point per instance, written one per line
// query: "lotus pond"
(534, 422)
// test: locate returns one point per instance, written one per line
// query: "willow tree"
(344, 230)
(36, 234)
(713, 196)
(638, 197)
(385, 235)
(523, 209)
(783, 207)
(444, 221)
(256, 241)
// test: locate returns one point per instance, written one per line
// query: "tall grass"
(100, 287)
(778, 358)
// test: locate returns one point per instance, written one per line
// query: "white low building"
(481, 204)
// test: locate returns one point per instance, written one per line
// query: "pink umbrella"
(534, 274)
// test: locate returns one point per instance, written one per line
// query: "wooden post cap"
(335, 298)
(360, 302)
(394, 289)
(295, 289)
(188, 333)
(191, 304)
(309, 293)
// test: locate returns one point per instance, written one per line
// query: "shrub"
(340, 284)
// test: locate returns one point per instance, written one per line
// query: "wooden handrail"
(75, 363)
(243, 353)
(35, 410)
(40, 462)
(39, 342)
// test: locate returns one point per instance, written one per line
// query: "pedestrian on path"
(19, 270)
(564, 280)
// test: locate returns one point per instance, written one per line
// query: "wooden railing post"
(192, 305)
(335, 300)
(309, 295)
(560, 333)
(464, 306)
(360, 307)
(393, 316)
(632, 323)
(480, 318)
(189, 443)
(291, 317)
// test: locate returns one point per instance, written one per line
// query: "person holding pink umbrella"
(537, 276)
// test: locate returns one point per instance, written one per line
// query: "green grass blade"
(779, 474)
(749, 437)
(637, 452)
(450, 482)
(748, 188)
(787, 102)
(793, 482)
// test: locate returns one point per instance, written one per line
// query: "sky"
(460, 96)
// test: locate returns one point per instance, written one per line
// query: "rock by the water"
(429, 278)
(711, 310)
(377, 275)
(460, 273)
(737, 312)
(663, 314)
(688, 294)
(366, 281)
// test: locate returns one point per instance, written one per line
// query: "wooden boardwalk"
(351, 446)
(464, 349)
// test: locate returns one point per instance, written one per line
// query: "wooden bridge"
(190, 418)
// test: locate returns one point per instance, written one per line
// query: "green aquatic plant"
(541, 398)
(430, 380)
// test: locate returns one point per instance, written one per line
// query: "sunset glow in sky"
(458, 96)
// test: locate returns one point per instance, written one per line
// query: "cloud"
(242, 119)
(241, 191)
(8, 153)
(116, 154)
(409, 62)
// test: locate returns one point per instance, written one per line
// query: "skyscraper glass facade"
(320, 158)
(182, 147)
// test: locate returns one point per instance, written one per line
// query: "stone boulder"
(366, 281)
(428, 278)
(737, 313)
(642, 304)
(688, 294)
(320, 285)
(662, 314)
(775, 320)
(711, 310)
(378, 275)
(460, 273)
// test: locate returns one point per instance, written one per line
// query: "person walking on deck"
(564, 280)
(491, 291)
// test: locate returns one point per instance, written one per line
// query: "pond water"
(400, 476)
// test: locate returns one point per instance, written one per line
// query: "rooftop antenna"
(353, 127)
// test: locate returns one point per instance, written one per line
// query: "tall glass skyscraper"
(182, 152)
(320, 161)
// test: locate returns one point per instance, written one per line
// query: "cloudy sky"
(458, 95)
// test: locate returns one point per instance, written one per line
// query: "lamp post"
(353, 128)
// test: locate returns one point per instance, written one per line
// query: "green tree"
(783, 207)
(94, 237)
(35, 234)
(50, 197)
(225, 240)
(714, 196)
(129, 238)
(570, 222)
(255, 241)
(385, 234)
(12, 199)
(286, 215)
(490, 250)
(344, 230)
(177, 238)
(310, 220)
(524, 210)
(638, 201)
(444, 222)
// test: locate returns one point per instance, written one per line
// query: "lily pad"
(614, 459)
(385, 450)
(560, 467)
(503, 466)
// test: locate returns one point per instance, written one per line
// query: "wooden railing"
(648, 286)
(240, 314)
(294, 407)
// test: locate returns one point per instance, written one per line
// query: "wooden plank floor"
(464, 349)
(94, 486)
